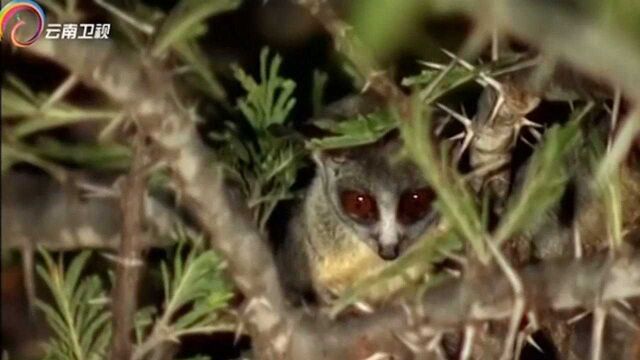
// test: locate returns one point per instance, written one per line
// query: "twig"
(127, 273)
(354, 50)
(60, 92)
(148, 29)
(518, 299)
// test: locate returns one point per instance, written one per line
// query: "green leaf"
(196, 291)
(14, 106)
(94, 156)
(101, 322)
(193, 56)
(58, 117)
(265, 162)
(143, 320)
(270, 101)
(364, 129)
(80, 324)
(74, 271)
(184, 17)
(15, 154)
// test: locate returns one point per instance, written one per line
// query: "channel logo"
(16, 9)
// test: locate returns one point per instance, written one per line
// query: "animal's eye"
(359, 206)
(414, 205)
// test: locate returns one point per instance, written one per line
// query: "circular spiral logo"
(14, 9)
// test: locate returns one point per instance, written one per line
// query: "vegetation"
(585, 68)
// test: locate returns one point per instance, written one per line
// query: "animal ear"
(329, 160)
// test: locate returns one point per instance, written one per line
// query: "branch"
(38, 211)
(354, 50)
(129, 262)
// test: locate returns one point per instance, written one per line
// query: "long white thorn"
(467, 346)
(533, 343)
(578, 317)
(461, 118)
(597, 330)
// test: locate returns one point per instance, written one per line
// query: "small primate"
(365, 206)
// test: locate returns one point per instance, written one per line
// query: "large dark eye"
(359, 206)
(414, 205)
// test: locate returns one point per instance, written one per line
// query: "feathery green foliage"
(196, 279)
(195, 292)
(20, 102)
(185, 19)
(79, 316)
(179, 32)
(28, 115)
(265, 162)
(195, 288)
(268, 100)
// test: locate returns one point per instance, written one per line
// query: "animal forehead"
(381, 171)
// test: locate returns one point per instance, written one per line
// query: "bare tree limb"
(129, 262)
(38, 211)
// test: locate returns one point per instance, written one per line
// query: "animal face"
(382, 198)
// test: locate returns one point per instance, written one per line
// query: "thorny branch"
(277, 330)
(522, 18)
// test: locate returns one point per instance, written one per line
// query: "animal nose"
(389, 252)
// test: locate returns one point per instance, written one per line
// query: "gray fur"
(330, 247)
